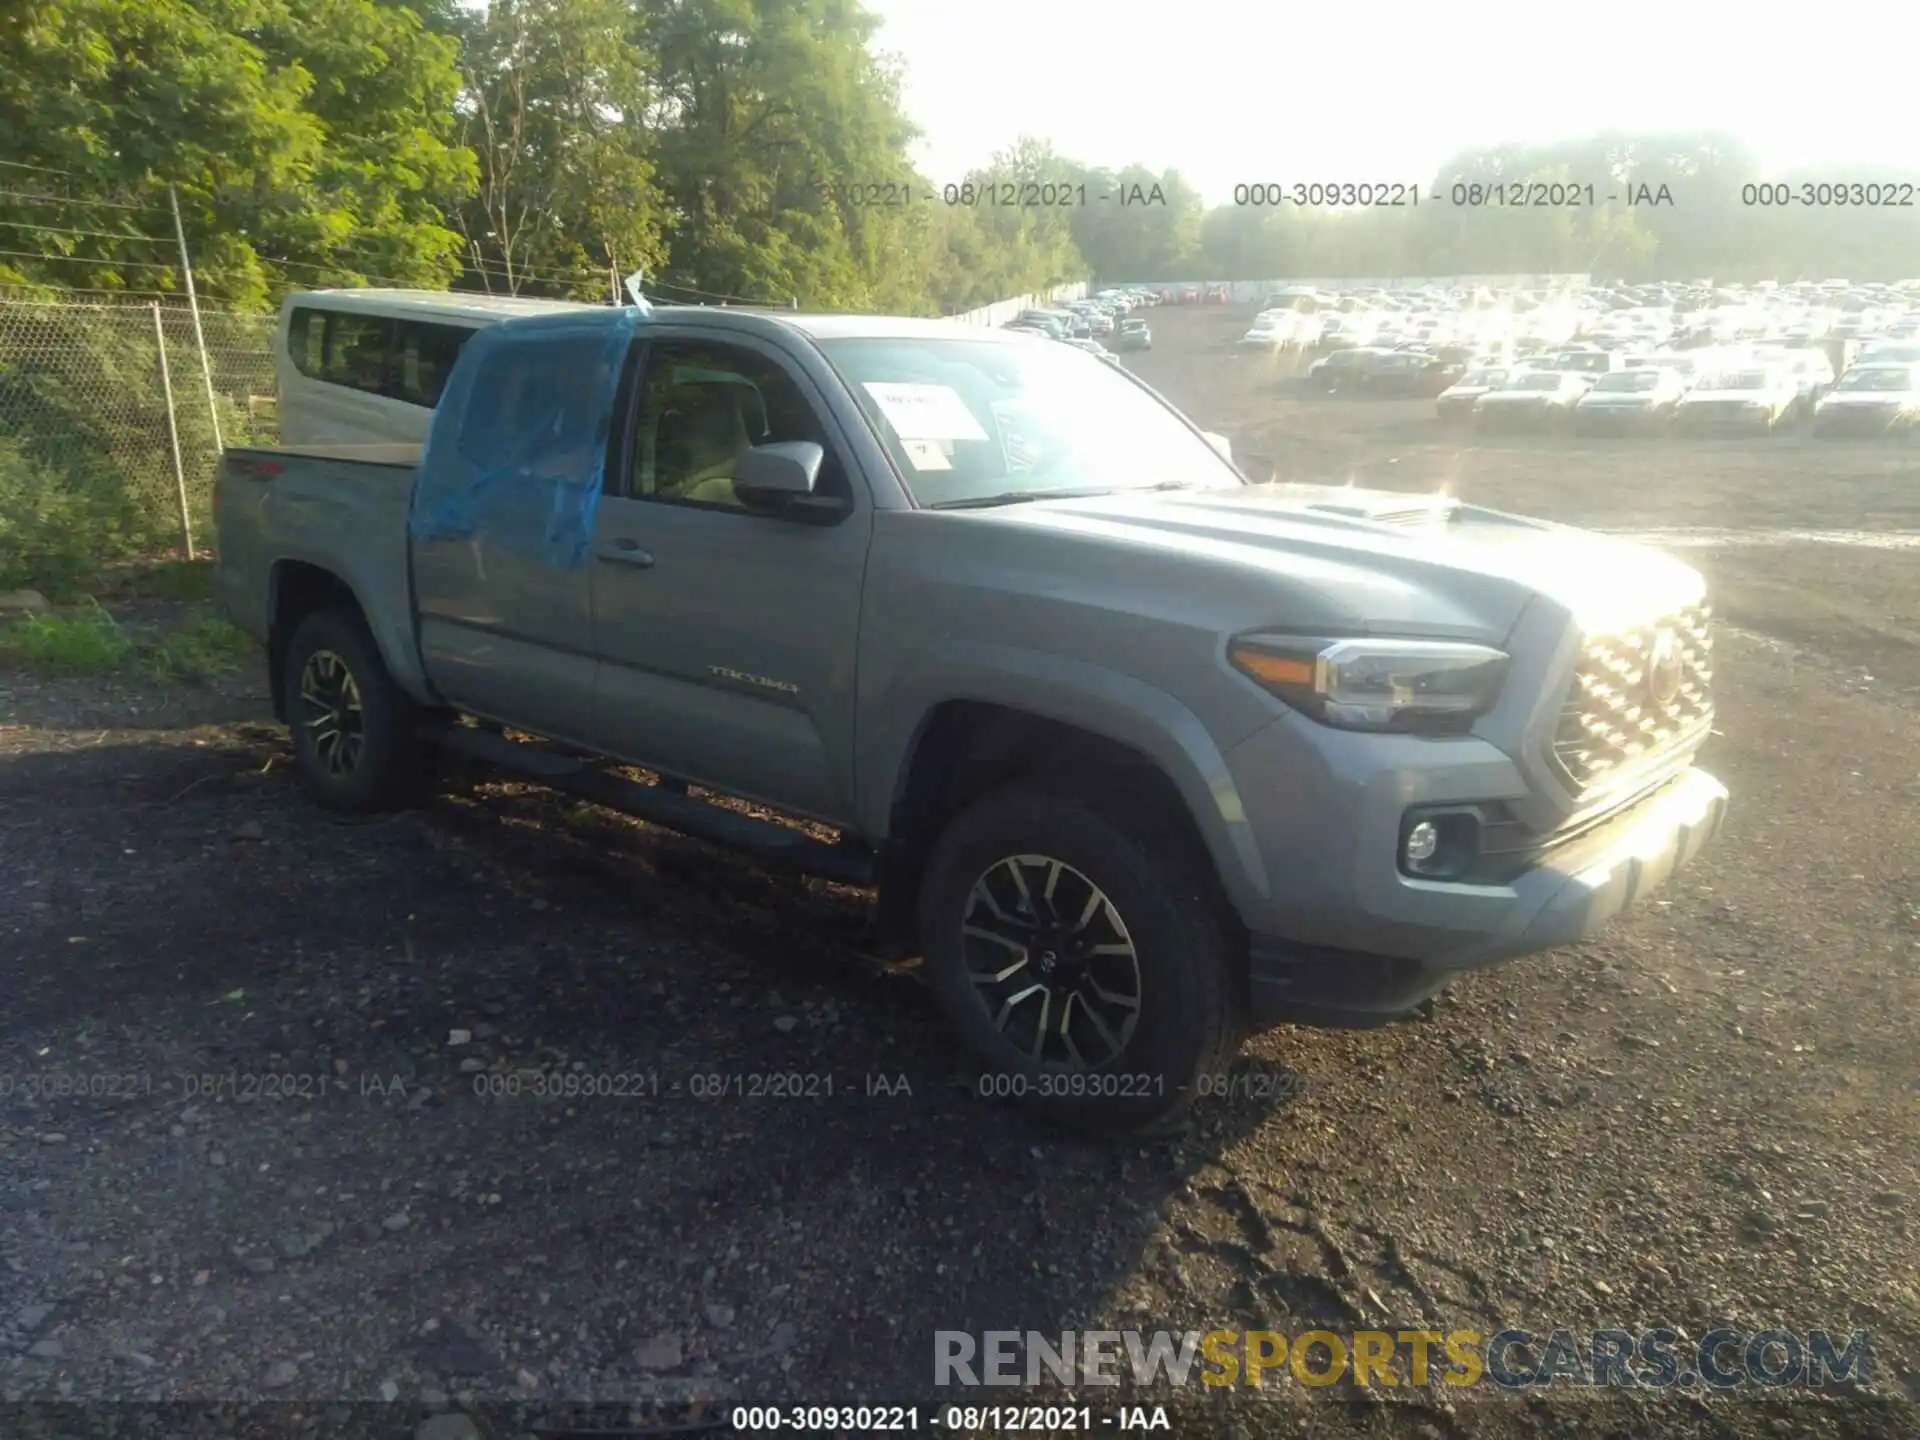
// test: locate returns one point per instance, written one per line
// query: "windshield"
(1738, 380)
(1629, 380)
(1538, 380)
(1483, 377)
(1892, 378)
(971, 420)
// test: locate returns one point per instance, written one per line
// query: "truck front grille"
(1636, 697)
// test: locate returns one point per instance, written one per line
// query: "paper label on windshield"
(925, 412)
(926, 455)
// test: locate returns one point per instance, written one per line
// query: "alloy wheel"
(1052, 961)
(330, 712)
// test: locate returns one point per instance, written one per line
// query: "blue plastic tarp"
(517, 453)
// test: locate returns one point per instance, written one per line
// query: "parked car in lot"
(1343, 367)
(1408, 372)
(1745, 400)
(1532, 397)
(1888, 352)
(1626, 400)
(1133, 335)
(1871, 400)
(1094, 347)
(1270, 330)
(891, 577)
(1455, 403)
(1585, 362)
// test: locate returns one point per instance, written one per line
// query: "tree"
(773, 119)
(307, 142)
(554, 104)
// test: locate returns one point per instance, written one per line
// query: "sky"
(1244, 91)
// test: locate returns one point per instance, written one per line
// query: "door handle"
(623, 551)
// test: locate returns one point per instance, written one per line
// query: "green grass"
(185, 580)
(87, 643)
(91, 642)
(205, 649)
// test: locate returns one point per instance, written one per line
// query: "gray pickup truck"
(1137, 754)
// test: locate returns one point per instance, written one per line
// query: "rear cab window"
(399, 358)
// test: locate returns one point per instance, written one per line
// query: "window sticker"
(925, 412)
(926, 455)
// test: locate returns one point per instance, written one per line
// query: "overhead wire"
(484, 268)
(33, 198)
(42, 169)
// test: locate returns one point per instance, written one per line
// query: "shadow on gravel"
(505, 1088)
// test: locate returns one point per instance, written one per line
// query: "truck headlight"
(1422, 686)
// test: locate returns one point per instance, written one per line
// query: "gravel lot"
(1708, 1116)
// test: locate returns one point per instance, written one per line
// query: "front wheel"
(1084, 960)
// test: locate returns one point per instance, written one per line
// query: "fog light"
(1422, 841)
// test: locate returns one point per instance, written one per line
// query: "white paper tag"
(925, 412)
(926, 455)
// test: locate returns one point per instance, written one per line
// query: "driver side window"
(701, 407)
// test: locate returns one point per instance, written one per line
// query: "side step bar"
(666, 805)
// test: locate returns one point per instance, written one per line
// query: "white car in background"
(1532, 398)
(1748, 399)
(1870, 400)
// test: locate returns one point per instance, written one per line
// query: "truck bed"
(280, 506)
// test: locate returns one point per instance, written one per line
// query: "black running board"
(666, 805)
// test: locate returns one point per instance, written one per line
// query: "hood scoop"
(1394, 512)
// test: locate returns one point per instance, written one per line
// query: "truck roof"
(770, 322)
(440, 302)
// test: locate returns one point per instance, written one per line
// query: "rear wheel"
(1085, 961)
(353, 727)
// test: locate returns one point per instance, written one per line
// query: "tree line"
(748, 150)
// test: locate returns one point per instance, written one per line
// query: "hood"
(1732, 397)
(1882, 398)
(1632, 398)
(1350, 560)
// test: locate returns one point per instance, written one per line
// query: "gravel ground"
(1706, 1116)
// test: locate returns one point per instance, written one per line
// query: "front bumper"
(1613, 419)
(1403, 939)
(1725, 422)
(1859, 420)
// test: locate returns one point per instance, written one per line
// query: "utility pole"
(199, 335)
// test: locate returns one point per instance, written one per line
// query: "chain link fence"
(108, 438)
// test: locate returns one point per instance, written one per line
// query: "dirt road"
(1710, 1116)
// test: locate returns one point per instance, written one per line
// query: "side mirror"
(1220, 443)
(788, 467)
(778, 480)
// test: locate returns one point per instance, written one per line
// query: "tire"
(1187, 1012)
(331, 664)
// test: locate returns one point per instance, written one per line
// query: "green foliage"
(57, 529)
(89, 641)
(167, 580)
(310, 141)
(554, 107)
(86, 643)
(201, 650)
